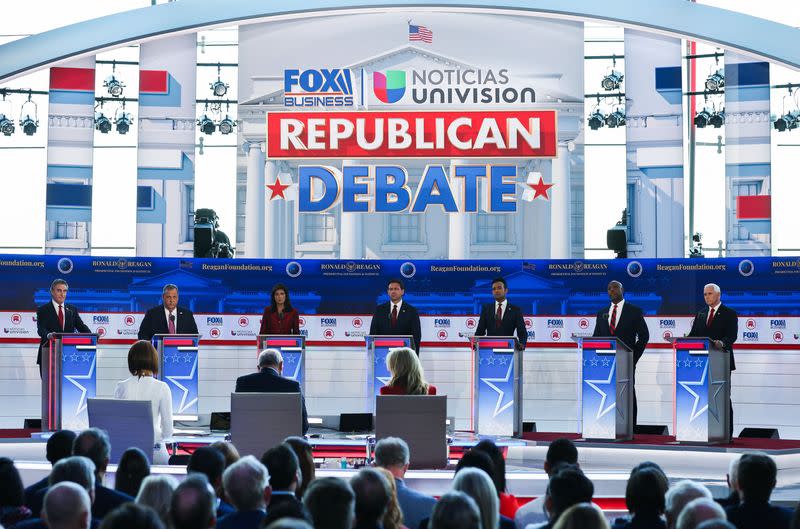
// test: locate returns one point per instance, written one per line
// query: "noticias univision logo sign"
(325, 87)
(389, 87)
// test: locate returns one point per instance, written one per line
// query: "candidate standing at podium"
(624, 321)
(56, 316)
(396, 317)
(721, 324)
(167, 318)
(501, 318)
(280, 317)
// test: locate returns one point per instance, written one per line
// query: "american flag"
(422, 33)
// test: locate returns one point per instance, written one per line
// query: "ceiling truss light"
(102, 123)
(29, 125)
(124, 122)
(612, 81)
(596, 120)
(206, 124)
(716, 81)
(615, 119)
(717, 119)
(702, 119)
(788, 121)
(114, 86)
(219, 88)
(226, 125)
(6, 125)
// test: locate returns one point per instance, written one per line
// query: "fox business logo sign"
(666, 324)
(100, 320)
(213, 320)
(318, 88)
(555, 324)
(777, 324)
(750, 336)
(441, 322)
(327, 322)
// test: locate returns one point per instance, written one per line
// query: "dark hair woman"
(280, 317)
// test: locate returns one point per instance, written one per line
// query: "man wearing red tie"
(501, 318)
(626, 322)
(56, 316)
(167, 318)
(720, 323)
(396, 318)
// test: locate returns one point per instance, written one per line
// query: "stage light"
(596, 120)
(787, 121)
(716, 81)
(30, 121)
(615, 119)
(717, 119)
(226, 125)
(6, 125)
(114, 86)
(29, 125)
(207, 126)
(124, 122)
(102, 123)
(219, 88)
(612, 80)
(702, 119)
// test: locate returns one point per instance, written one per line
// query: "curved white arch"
(735, 31)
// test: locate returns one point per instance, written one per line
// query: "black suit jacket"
(269, 381)
(155, 322)
(761, 516)
(724, 327)
(407, 322)
(512, 321)
(631, 328)
(47, 322)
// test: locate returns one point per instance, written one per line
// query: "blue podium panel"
(599, 389)
(178, 355)
(293, 351)
(377, 348)
(496, 401)
(71, 378)
(691, 390)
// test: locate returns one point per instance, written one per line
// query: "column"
(254, 202)
(351, 231)
(271, 224)
(560, 232)
(458, 223)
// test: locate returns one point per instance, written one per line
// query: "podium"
(606, 388)
(178, 359)
(293, 351)
(702, 391)
(377, 373)
(497, 395)
(69, 377)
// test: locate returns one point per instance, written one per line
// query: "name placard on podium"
(178, 356)
(378, 348)
(497, 397)
(293, 351)
(69, 377)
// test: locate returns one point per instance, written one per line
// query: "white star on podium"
(73, 378)
(603, 394)
(175, 378)
(685, 385)
(498, 409)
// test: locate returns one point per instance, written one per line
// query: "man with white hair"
(392, 453)
(269, 380)
(67, 506)
(698, 511)
(246, 484)
(721, 324)
(679, 495)
(733, 484)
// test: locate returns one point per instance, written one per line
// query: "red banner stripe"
(754, 207)
(179, 342)
(72, 79)
(76, 341)
(282, 343)
(390, 343)
(153, 81)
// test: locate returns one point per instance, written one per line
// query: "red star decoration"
(277, 189)
(541, 189)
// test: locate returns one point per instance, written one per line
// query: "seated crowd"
(280, 491)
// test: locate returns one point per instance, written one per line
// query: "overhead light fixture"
(226, 125)
(612, 81)
(102, 123)
(788, 121)
(124, 122)
(717, 119)
(206, 124)
(716, 81)
(29, 125)
(219, 88)
(702, 119)
(114, 86)
(596, 120)
(6, 125)
(615, 119)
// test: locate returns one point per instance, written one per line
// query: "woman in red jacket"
(280, 317)
(407, 375)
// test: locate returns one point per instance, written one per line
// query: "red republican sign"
(416, 134)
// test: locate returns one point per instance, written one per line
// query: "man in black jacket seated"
(757, 477)
(59, 446)
(56, 316)
(167, 318)
(284, 475)
(211, 463)
(501, 318)
(269, 380)
(95, 445)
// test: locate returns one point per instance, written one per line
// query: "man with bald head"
(624, 321)
(67, 506)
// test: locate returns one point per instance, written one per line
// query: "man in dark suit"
(501, 318)
(626, 322)
(56, 316)
(269, 380)
(396, 317)
(167, 318)
(284, 476)
(757, 478)
(720, 323)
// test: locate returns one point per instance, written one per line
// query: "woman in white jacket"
(142, 385)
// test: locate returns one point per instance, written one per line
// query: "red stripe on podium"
(179, 342)
(76, 341)
(596, 345)
(389, 343)
(690, 345)
(485, 343)
(281, 343)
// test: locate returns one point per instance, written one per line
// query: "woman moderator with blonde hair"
(407, 375)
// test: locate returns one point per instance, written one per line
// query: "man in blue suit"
(392, 454)
(247, 486)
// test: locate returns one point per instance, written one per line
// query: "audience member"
(372, 498)
(476, 459)
(478, 485)
(284, 474)
(211, 463)
(732, 478)
(133, 468)
(698, 511)
(716, 524)
(392, 454)
(560, 451)
(228, 451)
(247, 485)
(286, 510)
(407, 375)
(305, 455)
(67, 506)
(393, 518)
(644, 497)
(94, 444)
(192, 505)
(455, 510)
(289, 523)
(12, 495)
(156, 493)
(582, 516)
(331, 503)
(757, 477)
(75, 469)
(567, 487)
(508, 503)
(59, 446)
(679, 495)
(132, 516)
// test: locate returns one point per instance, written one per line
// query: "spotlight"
(6, 125)
(715, 81)
(596, 120)
(717, 119)
(124, 122)
(207, 126)
(615, 119)
(102, 123)
(114, 86)
(29, 125)
(226, 125)
(612, 81)
(702, 119)
(219, 88)
(787, 121)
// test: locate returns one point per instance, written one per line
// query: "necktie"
(710, 317)
(613, 323)
(60, 317)
(172, 324)
(498, 316)
(394, 315)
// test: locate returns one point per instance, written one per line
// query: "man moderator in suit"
(56, 316)
(501, 318)
(626, 322)
(167, 318)
(720, 323)
(269, 380)
(396, 317)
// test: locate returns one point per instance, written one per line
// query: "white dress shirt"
(619, 312)
(63, 309)
(399, 306)
(175, 312)
(503, 304)
(157, 392)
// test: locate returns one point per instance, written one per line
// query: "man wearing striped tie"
(625, 322)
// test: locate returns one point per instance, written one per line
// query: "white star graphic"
(593, 362)
(72, 378)
(698, 363)
(490, 360)
(695, 412)
(593, 384)
(174, 380)
(291, 358)
(606, 362)
(73, 357)
(503, 361)
(498, 409)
